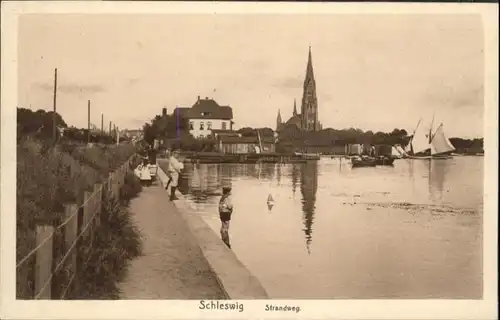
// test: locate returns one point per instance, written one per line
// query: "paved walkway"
(172, 265)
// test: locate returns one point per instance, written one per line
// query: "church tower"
(309, 108)
(278, 120)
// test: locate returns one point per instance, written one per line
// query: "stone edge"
(236, 281)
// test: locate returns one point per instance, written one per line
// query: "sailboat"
(430, 145)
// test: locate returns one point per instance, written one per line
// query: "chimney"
(164, 111)
(206, 98)
(198, 98)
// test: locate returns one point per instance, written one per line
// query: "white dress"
(143, 172)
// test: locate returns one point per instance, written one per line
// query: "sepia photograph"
(225, 157)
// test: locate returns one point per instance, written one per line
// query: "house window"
(223, 125)
(209, 125)
(191, 125)
(202, 126)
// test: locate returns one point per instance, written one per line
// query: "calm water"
(409, 231)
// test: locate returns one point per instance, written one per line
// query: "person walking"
(225, 212)
(168, 155)
(174, 169)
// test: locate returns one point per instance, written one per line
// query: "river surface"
(411, 231)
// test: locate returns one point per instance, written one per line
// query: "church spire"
(278, 120)
(309, 70)
(294, 107)
(309, 108)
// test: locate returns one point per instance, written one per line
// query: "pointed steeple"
(278, 120)
(309, 70)
(309, 107)
(294, 107)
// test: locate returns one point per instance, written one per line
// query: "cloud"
(72, 87)
(463, 96)
(132, 81)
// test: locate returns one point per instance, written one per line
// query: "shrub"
(131, 188)
(47, 179)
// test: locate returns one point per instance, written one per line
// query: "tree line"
(175, 129)
(39, 124)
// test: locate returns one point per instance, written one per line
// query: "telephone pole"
(88, 121)
(54, 118)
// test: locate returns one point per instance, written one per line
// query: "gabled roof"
(209, 109)
(294, 120)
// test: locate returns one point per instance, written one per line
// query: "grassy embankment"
(44, 186)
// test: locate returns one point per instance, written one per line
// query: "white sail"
(401, 150)
(440, 143)
(408, 148)
(395, 152)
(420, 141)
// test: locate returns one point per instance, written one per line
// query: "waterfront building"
(207, 115)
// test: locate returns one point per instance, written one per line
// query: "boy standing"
(225, 212)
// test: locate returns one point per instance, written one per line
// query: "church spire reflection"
(295, 174)
(308, 188)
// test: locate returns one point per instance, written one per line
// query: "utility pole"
(102, 123)
(88, 122)
(110, 128)
(54, 118)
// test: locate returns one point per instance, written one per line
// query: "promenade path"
(172, 265)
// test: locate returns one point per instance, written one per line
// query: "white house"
(206, 115)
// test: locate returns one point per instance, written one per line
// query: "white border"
(178, 309)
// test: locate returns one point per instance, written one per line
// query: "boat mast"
(430, 130)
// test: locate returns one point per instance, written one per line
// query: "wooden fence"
(63, 249)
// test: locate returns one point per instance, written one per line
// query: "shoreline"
(234, 278)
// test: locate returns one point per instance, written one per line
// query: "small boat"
(270, 199)
(363, 162)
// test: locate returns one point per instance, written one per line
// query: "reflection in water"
(278, 174)
(308, 188)
(437, 175)
(399, 252)
(295, 173)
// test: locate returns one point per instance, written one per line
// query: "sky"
(373, 71)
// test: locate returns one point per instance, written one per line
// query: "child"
(225, 212)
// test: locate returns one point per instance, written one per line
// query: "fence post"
(43, 267)
(87, 213)
(70, 234)
(98, 203)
